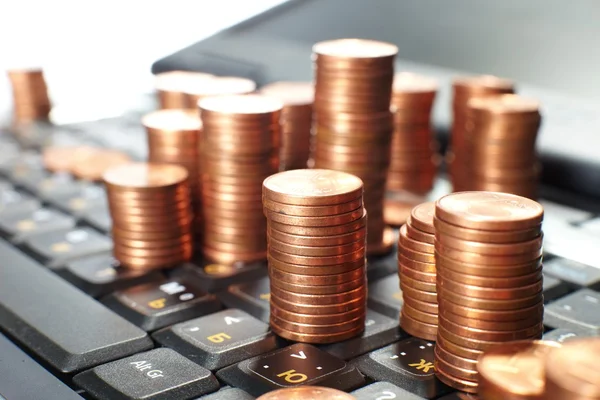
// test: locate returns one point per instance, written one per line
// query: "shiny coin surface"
(306, 393)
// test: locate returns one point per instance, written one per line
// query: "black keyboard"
(73, 324)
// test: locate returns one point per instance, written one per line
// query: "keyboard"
(73, 324)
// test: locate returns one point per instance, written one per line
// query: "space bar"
(56, 321)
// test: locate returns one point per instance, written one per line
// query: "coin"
(142, 176)
(417, 328)
(415, 245)
(97, 162)
(64, 158)
(512, 236)
(489, 304)
(327, 220)
(316, 338)
(460, 384)
(481, 259)
(533, 329)
(318, 309)
(319, 289)
(316, 270)
(312, 211)
(306, 393)
(494, 283)
(316, 280)
(335, 230)
(533, 312)
(321, 251)
(479, 292)
(418, 235)
(484, 270)
(312, 329)
(420, 316)
(316, 241)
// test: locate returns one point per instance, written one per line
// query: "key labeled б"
(160, 374)
(298, 364)
(219, 339)
(155, 305)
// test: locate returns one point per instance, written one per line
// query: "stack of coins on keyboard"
(30, 95)
(317, 248)
(572, 371)
(151, 215)
(173, 137)
(217, 86)
(416, 266)
(296, 120)
(464, 89)
(488, 253)
(414, 162)
(170, 87)
(240, 148)
(500, 140)
(514, 370)
(353, 122)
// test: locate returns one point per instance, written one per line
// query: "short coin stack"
(416, 266)
(353, 122)
(30, 95)
(488, 253)
(464, 89)
(240, 148)
(317, 248)
(500, 140)
(296, 120)
(414, 159)
(150, 209)
(173, 138)
(170, 87)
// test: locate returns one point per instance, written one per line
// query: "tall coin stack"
(416, 266)
(500, 140)
(150, 209)
(414, 159)
(170, 87)
(488, 253)
(173, 137)
(317, 247)
(353, 122)
(464, 89)
(240, 148)
(296, 120)
(30, 95)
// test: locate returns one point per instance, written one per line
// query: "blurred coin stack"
(353, 123)
(296, 120)
(414, 159)
(30, 95)
(151, 216)
(488, 253)
(464, 89)
(240, 148)
(500, 140)
(317, 247)
(170, 87)
(216, 86)
(416, 266)
(173, 137)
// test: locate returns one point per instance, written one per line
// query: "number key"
(252, 297)
(298, 364)
(384, 391)
(219, 339)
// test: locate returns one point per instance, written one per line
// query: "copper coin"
(319, 309)
(488, 304)
(465, 363)
(493, 249)
(565, 382)
(495, 283)
(485, 270)
(514, 370)
(420, 316)
(428, 268)
(182, 240)
(316, 261)
(534, 312)
(159, 252)
(315, 241)
(489, 211)
(454, 382)
(145, 177)
(417, 275)
(479, 292)
(150, 263)
(313, 211)
(64, 158)
(488, 325)
(416, 255)
(406, 242)
(316, 338)
(312, 187)
(320, 299)
(417, 285)
(421, 217)
(306, 393)
(176, 218)
(318, 290)
(417, 328)
(473, 344)
(430, 308)
(329, 220)
(165, 205)
(316, 270)
(317, 280)
(143, 234)
(97, 162)
(455, 349)
(418, 235)
(321, 251)
(427, 297)
(326, 319)
(489, 335)
(476, 258)
(318, 329)
(469, 374)
(320, 231)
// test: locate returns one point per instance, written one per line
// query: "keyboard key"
(298, 364)
(216, 277)
(379, 331)
(20, 227)
(28, 171)
(252, 297)
(575, 274)
(57, 187)
(155, 305)
(564, 240)
(55, 249)
(219, 339)
(579, 311)
(15, 202)
(385, 296)
(101, 274)
(553, 288)
(383, 390)
(460, 396)
(407, 364)
(228, 394)
(56, 321)
(558, 212)
(380, 267)
(563, 335)
(99, 218)
(23, 378)
(159, 374)
(5, 185)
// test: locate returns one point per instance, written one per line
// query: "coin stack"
(414, 159)
(296, 120)
(514, 370)
(500, 140)
(464, 89)
(216, 86)
(151, 216)
(416, 267)
(240, 148)
(317, 243)
(488, 253)
(353, 123)
(572, 371)
(30, 95)
(170, 87)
